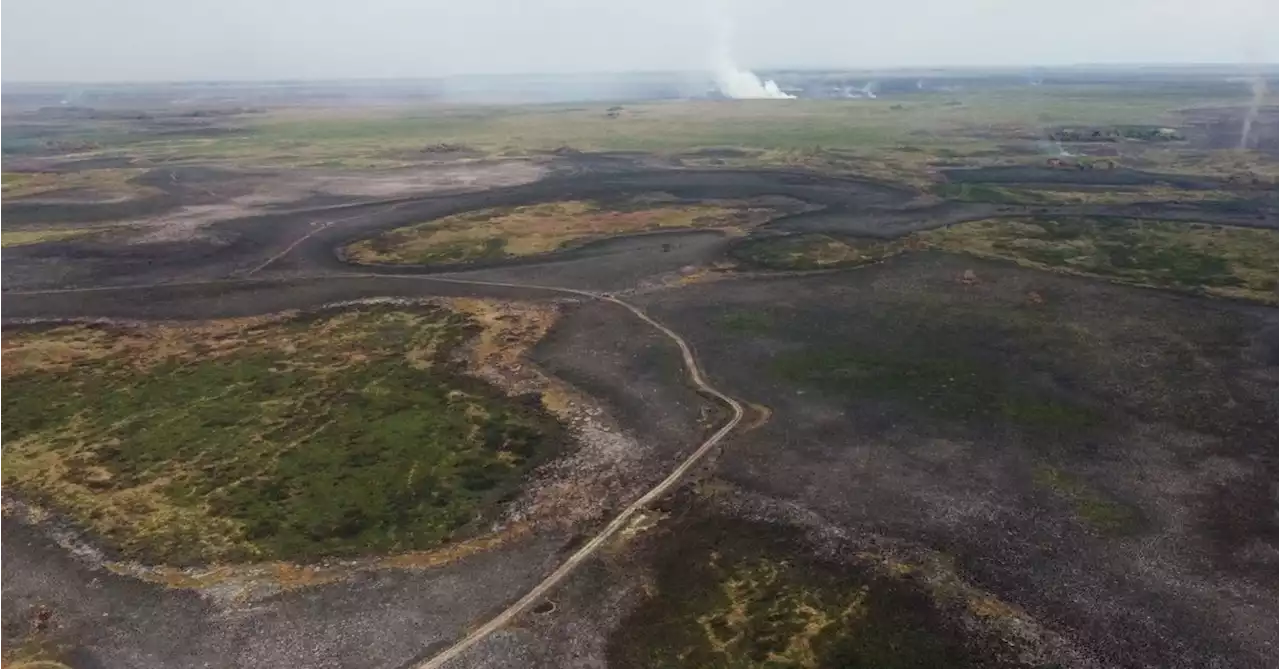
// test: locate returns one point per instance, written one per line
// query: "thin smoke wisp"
(1259, 89)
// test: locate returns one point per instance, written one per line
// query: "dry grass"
(539, 228)
(61, 348)
(496, 353)
(23, 237)
(1217, 260)
(33, 651)
(499, 353)
(137, 433)
(1118, 196)
(284, 576)
(819, 251)
(1230, 262)
(98, 185)
(38, 664)
(735, 625)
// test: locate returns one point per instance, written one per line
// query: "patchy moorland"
(1231, 262)
(507, 232)
(731, 593)
(1086, 452)
(24, 237)
(340, 433)
(983, 445)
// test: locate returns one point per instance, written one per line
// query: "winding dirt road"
(620, 521)
(623, 517)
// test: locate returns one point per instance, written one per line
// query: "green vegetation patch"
(945, 383)
(815, 251)
(753, 322)
(738, 595)
(24, 237)
(336, 434)
(504, 232)
(1218, 260)
(1095, 509)
(1047, 194)
(1225, 261)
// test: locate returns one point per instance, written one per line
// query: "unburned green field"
(1225, 261)
(342, 433)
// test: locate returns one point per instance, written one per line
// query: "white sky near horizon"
(141, 40)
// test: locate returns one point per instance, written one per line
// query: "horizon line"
(4, 81)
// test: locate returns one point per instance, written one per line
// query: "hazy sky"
(91, 40)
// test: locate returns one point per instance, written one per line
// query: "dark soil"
(607, 355)
(383, 619)
(1066, 441)
(29, 212)
(736, 594)
(181, 186)
(1100, 456)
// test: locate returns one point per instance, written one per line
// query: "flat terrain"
(140, 435)
(295, 385)
(541, 228)
(1030, 427)
(1230, 262)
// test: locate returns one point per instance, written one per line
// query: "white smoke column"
(1259, 88)
(745, 85)
(732, 81)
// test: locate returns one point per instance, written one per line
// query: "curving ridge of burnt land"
(289, 260)
(237, 247)
(305, 240)
(315, 238)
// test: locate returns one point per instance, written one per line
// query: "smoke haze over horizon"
(145, 40)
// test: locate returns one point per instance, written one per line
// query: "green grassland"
(506, 232)
(885, 137)
(1229, 262)
(1232, 262)
(899, 140)
(682, 125)
(340, 434)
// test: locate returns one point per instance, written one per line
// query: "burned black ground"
(1093, 454)
(1097, 461)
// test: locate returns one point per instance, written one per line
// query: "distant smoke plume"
(733, 81)
(744, 85)
(1259, 88)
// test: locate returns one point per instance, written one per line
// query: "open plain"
(983, 377)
